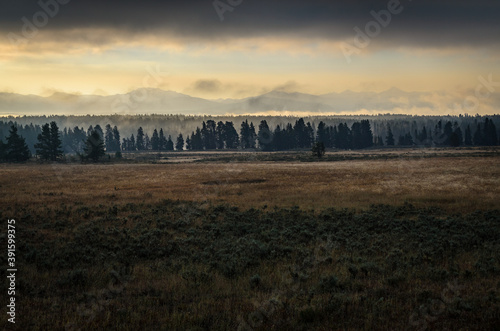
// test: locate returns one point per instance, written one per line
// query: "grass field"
(372, 243)
(457, 184)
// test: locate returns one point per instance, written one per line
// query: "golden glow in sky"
(239, 58)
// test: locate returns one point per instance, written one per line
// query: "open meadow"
(379, 243)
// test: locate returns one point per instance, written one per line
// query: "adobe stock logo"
(373, 28)
(30, 29)
(222, 7)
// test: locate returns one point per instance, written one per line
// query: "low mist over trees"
(48, 142)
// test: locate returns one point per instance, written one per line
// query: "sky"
(242, 48)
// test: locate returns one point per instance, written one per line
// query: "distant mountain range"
(148, 101)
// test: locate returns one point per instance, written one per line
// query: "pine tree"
(389, 140)
(99, 131)
(3, 151)
(220, 135)
(322, 134)
(147, 142)
(162, 145)
(366, 134)
(231, 138)
(265, 136)
(49, 146)
(208, 133)
(245, 135)
(179, 144)
(490, 133)
(16, 149)
(318, 149)
(356, 136)
(170, 144)
(278, 139)
(43, 146)
(478, 136)
(197, 140)
(468, 136)
(252, 136)
(133, 146)
(302, 134)
(94, 147)
(139, 142)
(343, 139)
(456, 138)
(109, 138)
(155, 141)
(55, 142)
(116, 137)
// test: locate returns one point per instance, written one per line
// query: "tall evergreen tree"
(179, 144)
(43, 146)
(155, 141)
(468, 136)
(231, 138)
(389, 140)
(478, 136)
(318, 149)
(490, 133)
(49, 146)
(310, 135)
(3, 151)
(302, 134)
(208, 135)
(16, 149)
(55, 142)
(456, 138)
(133, 145)
(162, 145)
(265, 136)
(109, 138)
(94, 147)
(322, 134)
(116, 137)
(245, 135)
(356, 136)
(220, 135)
(147, 142)
(99, 131)
(139, 141)
(366, 134)
(197, 140)
(170, 144)
(343, 138)
(252, 136)
(278, 139)
(447, 132)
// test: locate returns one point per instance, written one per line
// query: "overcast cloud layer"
(422, 23)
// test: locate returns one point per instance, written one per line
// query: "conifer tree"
(16, 149)
(389, 140)
(94, 147)
(155, 141)
(179, 144)
(43, 146)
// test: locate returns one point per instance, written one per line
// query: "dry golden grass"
(455, 184)
(168, 289)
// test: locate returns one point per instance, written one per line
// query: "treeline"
(48, 142)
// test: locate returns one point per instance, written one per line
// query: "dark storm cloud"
(421, 23)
